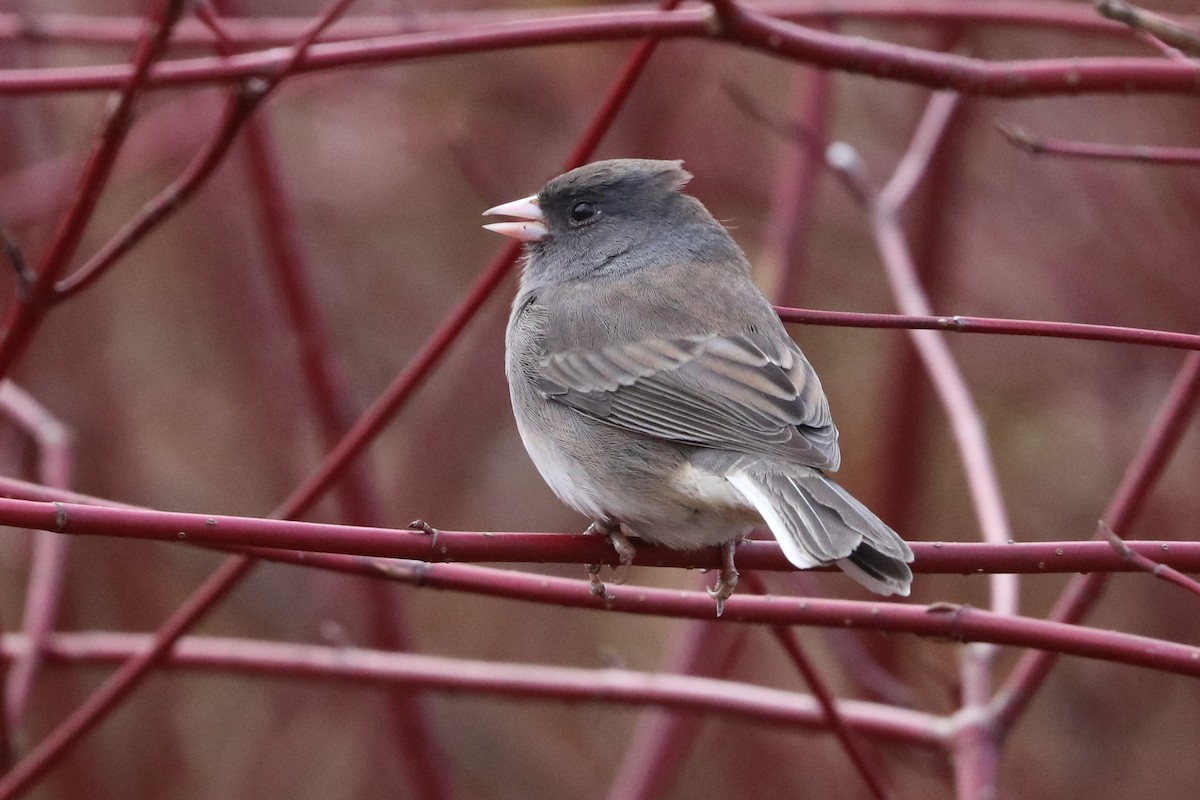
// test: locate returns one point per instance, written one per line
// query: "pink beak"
(532, 229)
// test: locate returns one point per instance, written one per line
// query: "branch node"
(1023, 138)
(1165, 30)
(16, 258)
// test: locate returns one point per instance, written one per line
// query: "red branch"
(773, 36)
(1044, 558)
(431, 673)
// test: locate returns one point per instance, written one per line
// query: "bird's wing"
(747, 393)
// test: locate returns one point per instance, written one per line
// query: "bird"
(656, 390)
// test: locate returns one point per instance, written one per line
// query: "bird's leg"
(722, 590)
(625, 552)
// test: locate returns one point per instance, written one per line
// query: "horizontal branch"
(1013, 327)
(953, 622)
(1036, 144)
(550, 548)
(776, 37)
(947, 621)
(273, 31)
(432, 673)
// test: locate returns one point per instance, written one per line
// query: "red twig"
(976, 738)
(1083, 590)
(42, 758)
(825, 699)
(238, 109)
(97, 706)
(977, 759)
(1037, 145)
(71, 517)
(939, 362)
(28, 310)
(48, 562)
(946, 621)
(1167, 31)
(935, 70)
(991, 325)
(660, 741)
(275, 31)
(679, 693)
(1155, 568)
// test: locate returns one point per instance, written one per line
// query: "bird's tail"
(817, 522)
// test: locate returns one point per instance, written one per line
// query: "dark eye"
(582, 212)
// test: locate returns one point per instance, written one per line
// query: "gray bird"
(657, 391)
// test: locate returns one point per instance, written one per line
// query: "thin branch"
(943, 370)
(660, 741)
(1167, 31)
(282, 31)
(829, 706)
(26, 314)
(992, 325)
(52, 749)
(360, 667)
(775, 37)
(1155, 568)
(1036, 144)
(48, 562)
(977, 761)
(238, 110)
(1127, 502)
(976, 741)
(945, 621)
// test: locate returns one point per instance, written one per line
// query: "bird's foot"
(722, 590)
(625, 553)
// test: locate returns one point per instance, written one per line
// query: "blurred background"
(182, 388)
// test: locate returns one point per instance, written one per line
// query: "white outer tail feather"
(799, 538)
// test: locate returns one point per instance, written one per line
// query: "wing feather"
(747, 393)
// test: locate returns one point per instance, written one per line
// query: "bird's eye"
(582, 212)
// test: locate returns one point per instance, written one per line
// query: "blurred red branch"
(970, 435)
(660, 742)
(1136, 484)
(43, 589)
(433, 673)
(1036, 144)
(957, 623)
(936, 70)
(238, 109)
(31, 304)
(273, 31)
(786, 637)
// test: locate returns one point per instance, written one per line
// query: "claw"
(625, 554)
(722, 590)
(595, 584)
(424, 527)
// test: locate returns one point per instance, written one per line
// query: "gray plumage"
(654, 386)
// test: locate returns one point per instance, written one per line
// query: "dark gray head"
(613, 217)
